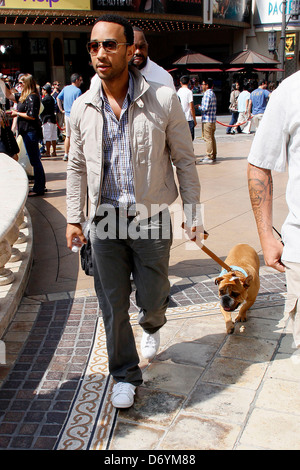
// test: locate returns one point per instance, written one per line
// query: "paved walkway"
(204, 390)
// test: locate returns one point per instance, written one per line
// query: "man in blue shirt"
(258, 102)
(208, 111)
(65, 99)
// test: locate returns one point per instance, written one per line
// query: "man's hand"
(272, 250)
(75, 236)
(195, 233)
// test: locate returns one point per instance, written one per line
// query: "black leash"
(279, 234)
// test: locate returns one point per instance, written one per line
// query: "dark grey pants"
(147, 258)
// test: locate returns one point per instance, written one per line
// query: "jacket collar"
(140, 86)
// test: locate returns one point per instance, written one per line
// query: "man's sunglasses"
(109, 45)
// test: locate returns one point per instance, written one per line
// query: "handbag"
(23, 157)
(2, 147)
(233, 107)
(86, 257)
(7, 138)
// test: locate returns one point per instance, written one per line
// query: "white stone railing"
(13, 196)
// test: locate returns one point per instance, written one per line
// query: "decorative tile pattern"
(87, 410)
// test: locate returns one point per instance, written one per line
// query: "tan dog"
(240, 286)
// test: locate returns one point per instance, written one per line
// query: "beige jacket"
(158, 129)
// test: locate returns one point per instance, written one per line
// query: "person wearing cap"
(48, 118)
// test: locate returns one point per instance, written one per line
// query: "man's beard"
(141, 63)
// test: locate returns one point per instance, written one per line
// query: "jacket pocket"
(149, 140)
(94, 184)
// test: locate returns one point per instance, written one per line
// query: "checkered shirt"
(208, 106)
(118, 181)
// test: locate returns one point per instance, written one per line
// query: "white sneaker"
(123, 395)
(150, 344)
(65, 159)
(206, 160)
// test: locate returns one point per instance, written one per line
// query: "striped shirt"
(118, 180)
(208, 106)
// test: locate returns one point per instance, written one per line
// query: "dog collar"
(234, 268)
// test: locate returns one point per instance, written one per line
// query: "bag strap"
(87, 202)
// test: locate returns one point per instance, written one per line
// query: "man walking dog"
(122, 135)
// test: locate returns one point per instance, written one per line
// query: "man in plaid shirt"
(208, 109)
(124, 131)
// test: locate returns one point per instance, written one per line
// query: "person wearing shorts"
(49, 120)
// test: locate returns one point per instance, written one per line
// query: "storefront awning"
(234, 69)
(269, 70)
(205, 70)
(49, 17)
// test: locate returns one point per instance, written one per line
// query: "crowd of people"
(247, 104)
(39, 116)
(51, 118)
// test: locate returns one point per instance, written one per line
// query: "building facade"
(273, 26)
(47, 38)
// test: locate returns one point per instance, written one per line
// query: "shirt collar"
(129, 93)
(146, 66)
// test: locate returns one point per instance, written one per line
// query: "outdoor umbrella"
(196, 62)
(195, 58)
(253, 59)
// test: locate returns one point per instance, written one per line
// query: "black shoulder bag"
(86, 255)
(9, 143)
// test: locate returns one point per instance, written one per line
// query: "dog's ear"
(247, 281)
(218, 280)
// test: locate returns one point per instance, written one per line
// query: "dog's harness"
(234, 268)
